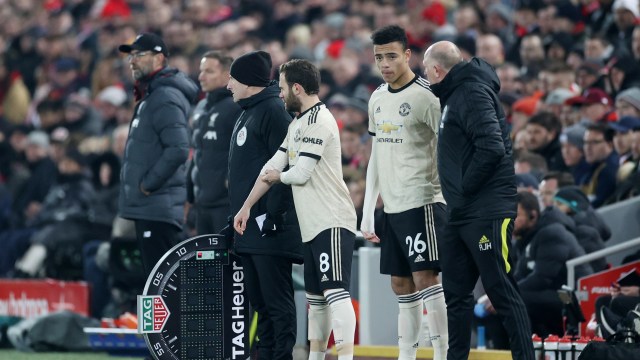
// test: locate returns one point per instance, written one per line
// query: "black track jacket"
(474, 150)
(257, 135)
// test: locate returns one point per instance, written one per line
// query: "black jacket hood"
(176, 79)
(476, 70)
(271, 91)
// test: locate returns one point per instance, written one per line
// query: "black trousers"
(545, 312)
(481, 248)
(210, 220)
(270, 289)
(155, 238)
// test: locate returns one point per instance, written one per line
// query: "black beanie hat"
(252, 69)
(573, 197)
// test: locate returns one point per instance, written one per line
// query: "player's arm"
(278, 161)
(372, 190)
(301, 173)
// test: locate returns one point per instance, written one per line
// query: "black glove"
(272, 224)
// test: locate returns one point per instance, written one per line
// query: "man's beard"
(137, 74)
(293, 104)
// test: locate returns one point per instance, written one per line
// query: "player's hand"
(271, 176)
(240, 220)
(370, 236)
(614, 289)
(489, 307)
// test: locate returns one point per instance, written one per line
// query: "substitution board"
(194, 305)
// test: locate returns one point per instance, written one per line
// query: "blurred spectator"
(351, 144)
(105, 171)
(529, 162)
(466, 20)
(635, 43)
(611, 308)
(543, 130)
(13, 166)
(527, 182)
(50, 114)
(489, 47)
(556, 75)
(80, 118)
(551, 182)
(508, 73)
(600, 18)
(595, 105)
(64, 79)
(572, 140)
(600, 180)
(589, 75)
(554, 102)
(623, 136)
(573, 202)
(568, 18)
(544, 242)
(531, 53)
(624, 73)
(626, 14)
(62, 224)
(628, 103)
(28, 199)
(523, 109)
(629, 173)
(507, 100)
(597, 49)
(108, 101)
(558, 46)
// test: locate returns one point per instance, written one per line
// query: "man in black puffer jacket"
(545, 242)
(271, 242)
(478, 182)
(213, 120)
(153, 180)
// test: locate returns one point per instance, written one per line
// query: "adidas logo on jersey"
(378, 109)
(484, 244)
(324, 278)
(418, 259)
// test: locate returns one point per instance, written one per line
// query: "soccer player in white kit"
(403, 119)
(327, 217)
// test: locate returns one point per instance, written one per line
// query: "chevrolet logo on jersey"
(387, 127)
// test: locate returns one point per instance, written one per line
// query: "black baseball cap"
(146, 42)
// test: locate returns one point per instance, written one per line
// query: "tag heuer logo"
(152, 314)
(405, 109)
